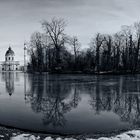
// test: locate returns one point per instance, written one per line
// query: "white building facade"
(10, 64)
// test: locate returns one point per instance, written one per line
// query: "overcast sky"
(20, 18)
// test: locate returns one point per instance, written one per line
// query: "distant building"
(9, 64)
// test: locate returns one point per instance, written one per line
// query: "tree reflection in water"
(121, 96)
(52, 98)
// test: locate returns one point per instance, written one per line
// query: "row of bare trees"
(49, 50)
(55, 51)
(119, 51)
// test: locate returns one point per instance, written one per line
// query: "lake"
(70, 104)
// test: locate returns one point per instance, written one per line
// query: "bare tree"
(55, 30)
(128, 52)
(36, 50)
(97, 43)
(137, 44)
(118, 43)
(108, 49)
(75, 48)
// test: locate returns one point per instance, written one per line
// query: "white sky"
(20, 18)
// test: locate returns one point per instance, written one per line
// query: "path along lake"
(70, 104)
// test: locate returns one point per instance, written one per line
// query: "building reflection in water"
(9, 82)
(10, 78)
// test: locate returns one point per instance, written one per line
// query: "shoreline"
(77, 73)
(17, 134)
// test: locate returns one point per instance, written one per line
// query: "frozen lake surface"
(70, 104)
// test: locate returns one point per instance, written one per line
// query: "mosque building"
(10, 64)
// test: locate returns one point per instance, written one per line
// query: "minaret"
(25, 67)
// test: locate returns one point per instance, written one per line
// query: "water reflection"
(57, 98)
(8, 77)
(52, 99)
(120, 96)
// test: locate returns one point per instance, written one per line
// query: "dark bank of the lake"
(16, 134)
(88, 72)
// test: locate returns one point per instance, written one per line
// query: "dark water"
(70, 104)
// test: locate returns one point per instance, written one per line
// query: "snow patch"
(24, 137)
(130, 135)
(48, 138)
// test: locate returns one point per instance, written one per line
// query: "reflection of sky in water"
(69, 103)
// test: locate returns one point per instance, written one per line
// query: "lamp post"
(25, 57)
(25, 48)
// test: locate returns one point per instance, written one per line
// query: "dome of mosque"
(9, 52)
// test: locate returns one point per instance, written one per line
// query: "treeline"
(55, 51)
